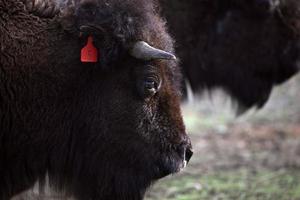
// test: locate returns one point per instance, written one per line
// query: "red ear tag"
(89, 53)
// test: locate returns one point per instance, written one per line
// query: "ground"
(239, 165)
(253, 157)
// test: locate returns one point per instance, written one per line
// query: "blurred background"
(254, 156)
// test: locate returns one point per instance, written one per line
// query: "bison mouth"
(173, 162)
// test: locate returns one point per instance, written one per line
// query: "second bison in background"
(244, 46)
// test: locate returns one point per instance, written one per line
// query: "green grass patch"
(241, 184)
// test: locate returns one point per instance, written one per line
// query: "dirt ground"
(251, 146)
(249, 162)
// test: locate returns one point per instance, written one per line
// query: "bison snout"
(185, 152)
(188, 154)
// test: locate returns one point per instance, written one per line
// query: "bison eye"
(149, 85)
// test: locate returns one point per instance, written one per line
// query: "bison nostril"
(188, 154)
(184, 149)
(185, 152)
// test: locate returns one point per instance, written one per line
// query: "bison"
(105, 127)
(244, 46)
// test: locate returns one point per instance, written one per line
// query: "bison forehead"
(121, 19)
(117, 25)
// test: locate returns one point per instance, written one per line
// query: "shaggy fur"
(92, 128)
(243, 46)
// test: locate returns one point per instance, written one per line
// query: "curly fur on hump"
(243, 46)
(85, 124)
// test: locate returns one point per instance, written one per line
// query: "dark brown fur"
(89, 126)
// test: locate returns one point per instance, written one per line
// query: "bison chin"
(170, 165)
(174, 162)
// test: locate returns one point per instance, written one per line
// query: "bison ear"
(42, 8)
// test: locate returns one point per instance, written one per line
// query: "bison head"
(100, 130)
(244, 46)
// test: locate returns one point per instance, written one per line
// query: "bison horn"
(143, 51)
